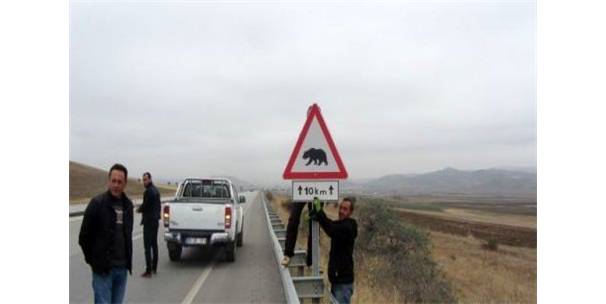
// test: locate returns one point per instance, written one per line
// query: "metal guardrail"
(287, 283)
(76, 213)
(296, 285)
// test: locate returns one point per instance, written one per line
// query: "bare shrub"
(491, 244)
(286, 203)
(269, 196)
(405, 251)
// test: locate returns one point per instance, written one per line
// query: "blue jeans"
(342, 292)
(110, 288)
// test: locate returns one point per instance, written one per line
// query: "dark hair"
(148, 175)
(119, 167)
(351, 201)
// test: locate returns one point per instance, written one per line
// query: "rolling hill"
(86, 181)
(452, 181)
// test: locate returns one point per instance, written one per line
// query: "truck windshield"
(206, 189)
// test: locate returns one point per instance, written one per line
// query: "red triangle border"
(289, 174)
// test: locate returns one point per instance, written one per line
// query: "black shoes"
(146, 274)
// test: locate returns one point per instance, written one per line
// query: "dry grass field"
(507, 275)
(86, 182)
(477, 275)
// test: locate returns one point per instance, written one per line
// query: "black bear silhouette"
(317, 156)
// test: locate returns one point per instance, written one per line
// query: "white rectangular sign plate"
(305, 191)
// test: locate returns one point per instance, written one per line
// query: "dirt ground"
(529, 221)
(503, 234)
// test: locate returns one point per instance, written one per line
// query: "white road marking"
(76, 218)
(196, 287)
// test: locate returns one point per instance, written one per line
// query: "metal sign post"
(315, 167)
(315, 247)
(315, 251)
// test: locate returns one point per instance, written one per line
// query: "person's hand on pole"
(316, 208)
(317, 205)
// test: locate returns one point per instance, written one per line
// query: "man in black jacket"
(342, 233)
(150, 210)
(106, 238)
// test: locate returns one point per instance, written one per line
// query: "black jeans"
(292, 230)
(150, 243)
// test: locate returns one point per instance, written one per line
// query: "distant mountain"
(451, 181)
(518, 168)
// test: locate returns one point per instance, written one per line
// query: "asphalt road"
(201, 276)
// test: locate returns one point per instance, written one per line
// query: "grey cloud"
(196, 88)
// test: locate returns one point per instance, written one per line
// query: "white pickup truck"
(204, 212)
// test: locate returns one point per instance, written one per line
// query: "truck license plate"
(195, 241)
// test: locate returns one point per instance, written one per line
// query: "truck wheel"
(174, 251)
(240, 237)
(230, 251)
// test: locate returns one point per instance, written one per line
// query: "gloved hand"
(317, 205)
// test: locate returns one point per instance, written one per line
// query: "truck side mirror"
(242, 199)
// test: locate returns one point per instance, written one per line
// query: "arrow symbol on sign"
(300, 189)
(330, 189)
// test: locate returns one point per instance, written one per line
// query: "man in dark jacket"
(106, 238)
(342, 233)
(150, 210)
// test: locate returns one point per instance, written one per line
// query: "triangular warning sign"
(315, 155)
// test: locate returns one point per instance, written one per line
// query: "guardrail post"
(298, 262)
(309, 287)
(280, 233)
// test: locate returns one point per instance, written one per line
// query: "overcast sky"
(199, 89)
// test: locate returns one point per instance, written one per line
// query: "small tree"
(269, 196)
